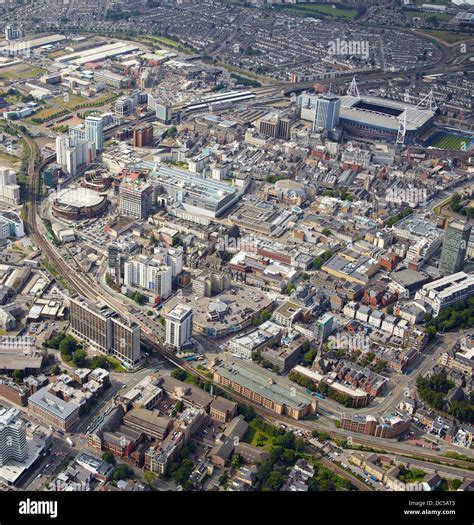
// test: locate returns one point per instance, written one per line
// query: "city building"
(78, 203)
(12, 436)
(143, 136)
(326, 112)
(109, 78)
(223, 410)
(136, 199)
(264, 388)
(105, 330)
(163, 113)
(11, 225)
(179, 324)
(196, 195)
(20, 353)
(148, 422)
(95, 131)
(150, 274)
(52, 410)
(14, 33)
(386, 426)
(444, 292)
(9, 189)
(325, 325)
(74, 151)
(453, 253)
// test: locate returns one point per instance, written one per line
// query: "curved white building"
(12, 437)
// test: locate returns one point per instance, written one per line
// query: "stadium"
(78, 203)
(379, 118)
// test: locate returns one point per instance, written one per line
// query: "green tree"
(68, 345)
(122, 472)
(79, 358)
(236, 461)
(179, 374)
(109, 457)
(149, 477)
(17, 375)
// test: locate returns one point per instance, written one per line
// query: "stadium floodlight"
(428, 102)
(402, 129)
(353, 90)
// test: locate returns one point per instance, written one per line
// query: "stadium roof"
(79, 197)
(382, 112)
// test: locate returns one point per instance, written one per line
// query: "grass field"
(449, 37)
(45, 113)
(318, 10)
(20, 72)
(9, 161)
(75, 101)
(168, 42)
(424, 14)
(257, 437)
(59, 53)
(448, 141)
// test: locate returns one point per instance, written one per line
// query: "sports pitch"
(451, 141)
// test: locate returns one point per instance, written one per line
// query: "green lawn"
(257, 437)
(318, 10)
(20, 72)
(451, 142)
(449, 37)
(425, 14)
(75, 101)
(115, 364)
(411, 475)
(9, 161)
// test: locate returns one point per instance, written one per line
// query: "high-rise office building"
(149, 274)
(324, 327)
(136, 199)
(9, 189)
(12, 437)
(179, 324)
(175, 260)
(95, 131)
(105, 330)
(326, 112)
(143, 136)
(454, 248)
(73, 152)
(124, 106)
(13, 33)
(307, 104)
(163, 113)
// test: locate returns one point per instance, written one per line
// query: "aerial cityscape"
(236, 246)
